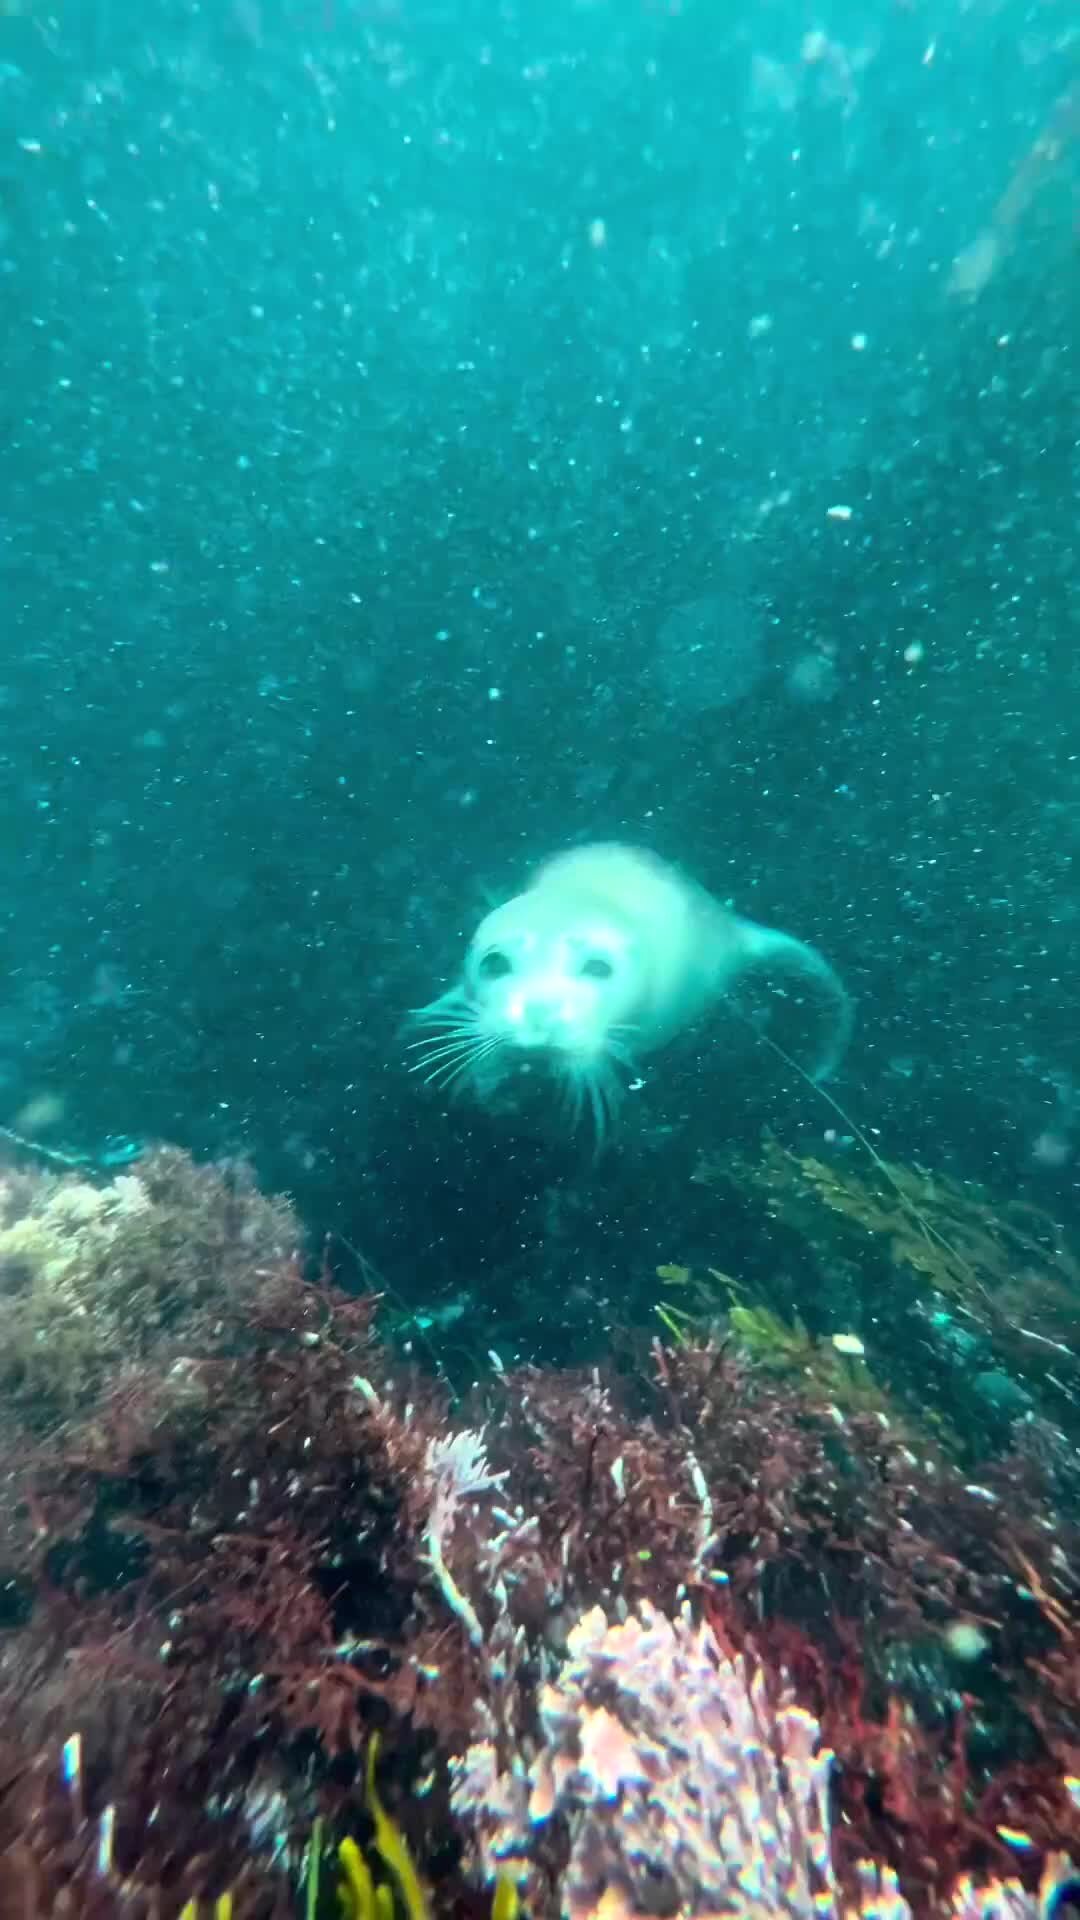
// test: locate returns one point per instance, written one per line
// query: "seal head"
(546, 971)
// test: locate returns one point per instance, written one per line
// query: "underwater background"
(435, 434)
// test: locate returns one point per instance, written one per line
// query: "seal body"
(608, 956)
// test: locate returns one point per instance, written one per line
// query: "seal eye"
(494, 965)
(597, 967)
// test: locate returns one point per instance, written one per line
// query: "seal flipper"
(770, 968)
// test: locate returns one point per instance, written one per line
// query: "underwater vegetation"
(835, 1368)
(285, 1633)
(965, 1304)
(92, 1274)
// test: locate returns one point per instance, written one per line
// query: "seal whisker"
(591, 1081)
(459, 1024)
(450, 1011)
(461, 1037)
(445, 1075)
(596, 1109)
(600, 1103)
(460, 1050)
(434, 1048)
(619, 1041)
(573, 1087)
(444, 1083)
(444, 1023)
(620, 1053)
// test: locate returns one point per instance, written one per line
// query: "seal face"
(541, 976)
(607, 956)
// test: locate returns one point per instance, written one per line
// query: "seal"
(608, 956)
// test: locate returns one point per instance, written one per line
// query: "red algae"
(259, 1538)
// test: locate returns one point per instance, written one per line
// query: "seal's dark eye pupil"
(495, 965)
(597, 967)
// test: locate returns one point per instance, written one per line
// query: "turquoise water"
(435, 435)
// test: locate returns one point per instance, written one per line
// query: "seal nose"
(537, 1019)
